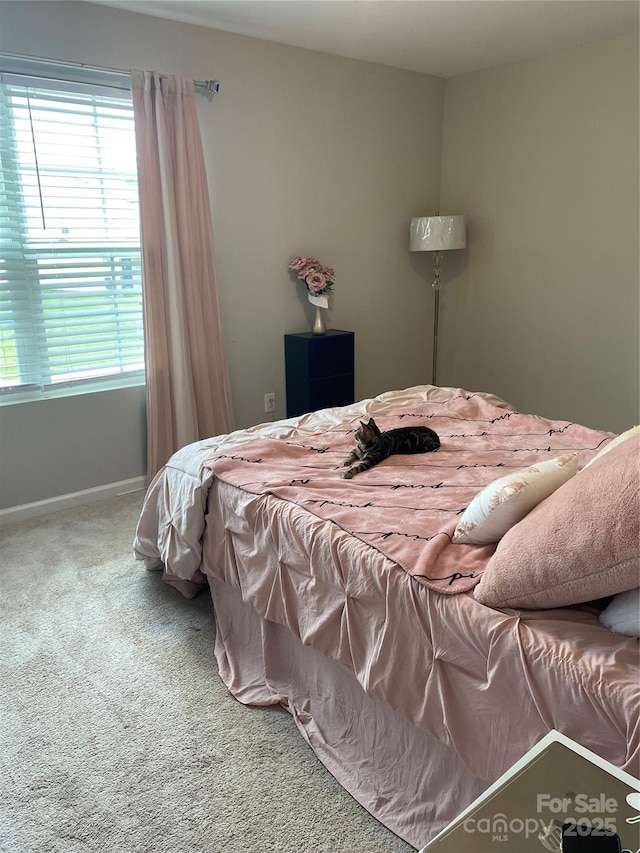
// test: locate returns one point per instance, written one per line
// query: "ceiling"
(441, 37)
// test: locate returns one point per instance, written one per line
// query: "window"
(70, 279)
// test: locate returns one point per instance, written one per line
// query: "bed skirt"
(407, 779)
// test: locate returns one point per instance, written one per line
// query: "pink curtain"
(188, 392)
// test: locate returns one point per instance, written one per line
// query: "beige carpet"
(116, 733)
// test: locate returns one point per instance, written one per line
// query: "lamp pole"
(435, 234)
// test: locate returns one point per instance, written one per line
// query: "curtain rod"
(209, 87)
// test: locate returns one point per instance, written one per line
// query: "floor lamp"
(437, 234)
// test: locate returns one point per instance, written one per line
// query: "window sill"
(9, 398)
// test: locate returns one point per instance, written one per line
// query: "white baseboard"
(98, 493)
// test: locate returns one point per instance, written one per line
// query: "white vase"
(319, 327)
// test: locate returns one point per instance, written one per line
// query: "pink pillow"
(579, 544)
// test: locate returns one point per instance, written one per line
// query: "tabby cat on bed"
(373, 445)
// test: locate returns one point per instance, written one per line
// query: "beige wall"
(309, 153)
(542, 157)
(71, 444)
(306, 153)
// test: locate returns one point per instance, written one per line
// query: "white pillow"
(506, 501)
(622, 614)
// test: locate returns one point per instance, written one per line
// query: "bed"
(430, 620)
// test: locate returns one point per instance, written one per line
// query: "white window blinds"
(70, 280)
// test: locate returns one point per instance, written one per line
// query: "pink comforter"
(407, 507)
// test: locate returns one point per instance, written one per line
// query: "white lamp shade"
(438, 233)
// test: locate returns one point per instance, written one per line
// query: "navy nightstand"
(319, 371)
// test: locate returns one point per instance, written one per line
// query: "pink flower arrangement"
(318, 279)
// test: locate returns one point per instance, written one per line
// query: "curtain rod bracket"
(209, 88)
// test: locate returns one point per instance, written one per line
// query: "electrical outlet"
(270, 402)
